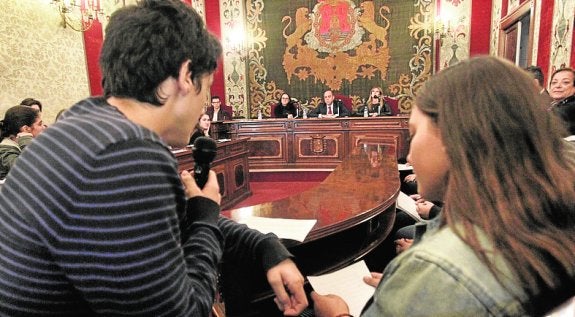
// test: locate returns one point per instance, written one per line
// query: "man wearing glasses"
(216, 112)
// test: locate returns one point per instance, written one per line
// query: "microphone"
(204, 152)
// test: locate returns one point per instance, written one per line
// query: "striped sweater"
(94, 221)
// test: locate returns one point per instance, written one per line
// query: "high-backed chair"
(393, 105)
(228, 109)
(346, 101)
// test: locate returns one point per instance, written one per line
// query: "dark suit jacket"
(383, 111)
(338, 107)
(282, 112)
(565, 109)
(222, 114)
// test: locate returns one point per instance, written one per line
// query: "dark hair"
(537, 74)
(29, 102)
(215, 97)
(566, 69)
(147, 43)
(15, 118)
(524, 206)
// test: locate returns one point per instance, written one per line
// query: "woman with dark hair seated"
(285, 107)
(20, 125)
(202, 128)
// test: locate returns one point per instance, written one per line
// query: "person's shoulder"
(566, 103)
(95, 124)
(443, 255)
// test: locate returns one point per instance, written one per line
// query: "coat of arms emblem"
(337, 41)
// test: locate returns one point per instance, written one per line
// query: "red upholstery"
(346, 101)
(393, 104)
(228, 109)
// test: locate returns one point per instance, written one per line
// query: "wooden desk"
(312, 143)
(231, 167)
(355, 210)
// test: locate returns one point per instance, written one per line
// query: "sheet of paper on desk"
(295, 229)
(407, 204)
(346, 283)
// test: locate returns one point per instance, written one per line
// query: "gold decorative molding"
(496, 8)
(455, 39)
(233, 29)
(562, 34)
(200, 7)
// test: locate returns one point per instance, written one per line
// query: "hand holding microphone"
(205, 183)
(204, 152)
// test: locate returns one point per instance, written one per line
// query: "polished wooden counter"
(355, 210)
(312, 143)
(231, 167)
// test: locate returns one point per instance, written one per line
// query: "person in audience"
(504, 242)
(538, 78)
(31, 102)
(376, 105)
(216, 112)
(562, 90)
(285, 107)
(329, 108)
(20, 125)
(94, 217)
(404, 237)
(202, 128)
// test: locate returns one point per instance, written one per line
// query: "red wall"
(544, 45)
(480, 30)
(213, 25)
(93, 39)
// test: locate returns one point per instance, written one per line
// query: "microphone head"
(205, 150)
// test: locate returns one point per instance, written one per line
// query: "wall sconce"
(442, 26)
(79, 15)
(448, 26)
(236, 40)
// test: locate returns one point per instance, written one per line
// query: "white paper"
(295, 229)
(174, 151)
(346, 283)
(407, 204)
(404, 167)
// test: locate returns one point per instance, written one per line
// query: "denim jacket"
(442, 276)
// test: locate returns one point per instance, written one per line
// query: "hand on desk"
(211, 190)
(283, 278)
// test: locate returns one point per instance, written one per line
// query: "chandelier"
(79, 15)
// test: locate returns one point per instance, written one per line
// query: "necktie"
(329, 110)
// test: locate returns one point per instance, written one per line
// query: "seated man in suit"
(330, 108)
(216, 112)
